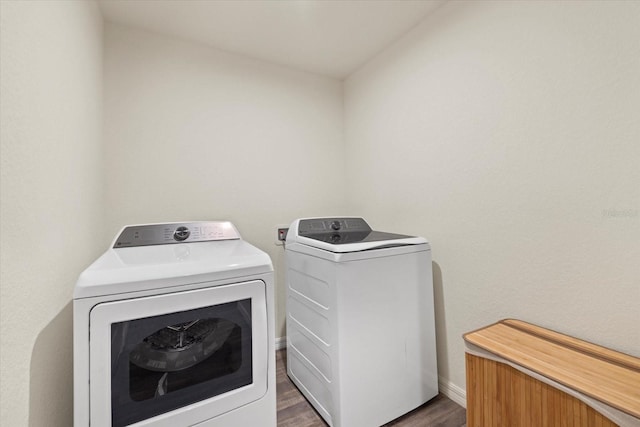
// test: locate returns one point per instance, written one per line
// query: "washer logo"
(181, 233)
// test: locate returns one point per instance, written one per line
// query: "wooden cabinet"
(519, 374)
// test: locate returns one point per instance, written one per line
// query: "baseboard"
(281, 342)
(452, 391)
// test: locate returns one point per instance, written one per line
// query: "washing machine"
(174, 327)
(360, 320)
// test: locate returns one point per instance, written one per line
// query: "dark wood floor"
(295, 411)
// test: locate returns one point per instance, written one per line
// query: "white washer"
(174, 326)
(360, 320)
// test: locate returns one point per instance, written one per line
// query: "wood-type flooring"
(295, 411)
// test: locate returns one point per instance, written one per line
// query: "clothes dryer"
(174, 326)
(360, 320)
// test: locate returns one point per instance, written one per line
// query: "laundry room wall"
(507, 134)
(51, 189)
(194, 133)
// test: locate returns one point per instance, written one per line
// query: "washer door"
(178, 359)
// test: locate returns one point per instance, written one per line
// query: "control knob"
(335, 225)
(181, 233)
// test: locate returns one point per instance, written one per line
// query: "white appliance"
(360, 320)
(174, 326)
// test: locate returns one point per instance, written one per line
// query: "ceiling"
(329, 37)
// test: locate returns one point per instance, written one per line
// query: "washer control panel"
(329, 225)
(172, 233)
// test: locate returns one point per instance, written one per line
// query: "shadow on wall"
(51, 379)
(441, 327)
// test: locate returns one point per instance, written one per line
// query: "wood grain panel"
(500, 395)
(603, 374)
(526, 402)
(576, 344)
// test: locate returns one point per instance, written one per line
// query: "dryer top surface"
(145, 268)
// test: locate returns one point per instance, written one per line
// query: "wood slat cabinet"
(518, 381)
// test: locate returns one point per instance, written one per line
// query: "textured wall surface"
(507, 134)
(193, 133)
(504, 132)
(51, 188)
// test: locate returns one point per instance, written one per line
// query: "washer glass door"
(152, 356)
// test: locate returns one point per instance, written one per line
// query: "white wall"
(507, 134)
(51, 188)
(193, 133)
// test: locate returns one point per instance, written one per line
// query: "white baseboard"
(452, 391)
(281, 342)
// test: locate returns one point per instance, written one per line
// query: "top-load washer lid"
(155, 256)
(345, 234)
